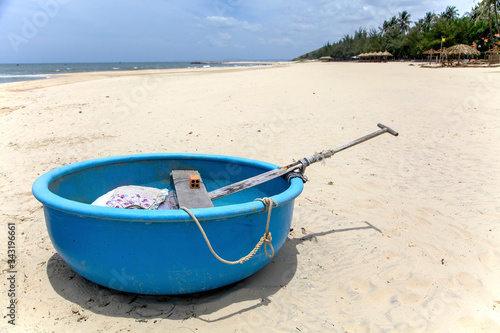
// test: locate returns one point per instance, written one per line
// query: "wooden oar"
(302, 164)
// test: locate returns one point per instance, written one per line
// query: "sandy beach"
(399, 234)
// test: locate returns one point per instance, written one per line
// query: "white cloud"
(281, 41)
(222, 39)
(284, 41)
(224, 36)
(230, 22)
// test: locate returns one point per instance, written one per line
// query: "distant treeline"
(409, 39)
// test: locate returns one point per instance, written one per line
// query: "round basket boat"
(162, 252)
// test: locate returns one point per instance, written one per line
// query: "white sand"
(407, 238)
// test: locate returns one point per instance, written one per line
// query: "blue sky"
(37, 31)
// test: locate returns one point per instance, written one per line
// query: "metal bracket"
(299, 173)
(291, 175)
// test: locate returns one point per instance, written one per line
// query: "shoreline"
(257, 64)
(58, 79)
(32, 72)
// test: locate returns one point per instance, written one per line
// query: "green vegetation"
(407, 39)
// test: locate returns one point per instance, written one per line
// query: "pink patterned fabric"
(137, 197)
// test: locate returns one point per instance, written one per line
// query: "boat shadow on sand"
(211, 306)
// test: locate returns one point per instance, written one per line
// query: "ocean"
(27, 72)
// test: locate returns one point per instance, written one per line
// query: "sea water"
(26, 72)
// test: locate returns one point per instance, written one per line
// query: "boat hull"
(162, 252)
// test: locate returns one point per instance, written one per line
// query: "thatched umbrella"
(362, 56)
(495, 49)
(386, 54)
(370, 55)
(494, 55)
(325, 58)
(462, 49)
(430, 52)
(379, 55)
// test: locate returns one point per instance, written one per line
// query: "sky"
(52, 31)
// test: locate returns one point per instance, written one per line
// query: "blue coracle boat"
(162, 252)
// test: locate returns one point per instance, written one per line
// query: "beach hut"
(376, 56)
(494, 55)
(430, 54)
(371, 55)
(386, 54)
(364, 56)
(325, 58)
(460, 49)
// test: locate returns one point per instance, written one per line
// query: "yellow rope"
(269, 203)
(266, 239)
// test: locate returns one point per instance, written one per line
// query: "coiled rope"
(266, 239)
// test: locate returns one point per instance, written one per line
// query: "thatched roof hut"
(431, 52)
(494, 55)
(462, 49)
(495, 49)
(379, 55)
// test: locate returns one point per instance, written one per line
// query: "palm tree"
(484, 11)
(389, 25)
(420, 25)
(404, 21)
(495, 10)
(450, 13)
(383, 29)
(427, 21)
(429, 18)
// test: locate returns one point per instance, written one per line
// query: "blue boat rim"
(46, 197)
